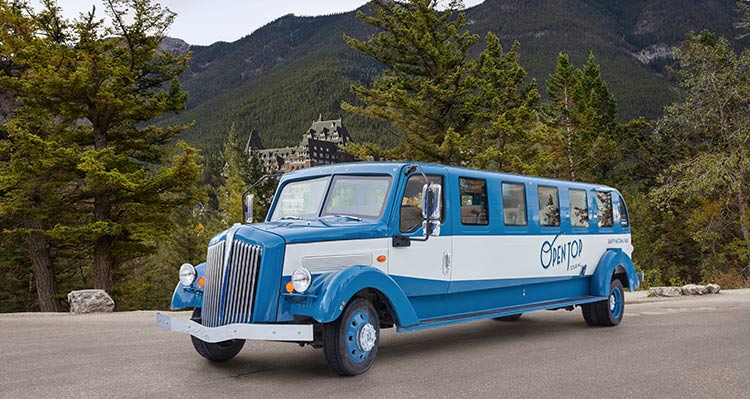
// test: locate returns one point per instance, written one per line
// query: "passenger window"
(549, 206)
(624, 220)
(473, 201)
(411, 203)
(514, 204)
(579, 210)
(604, 209)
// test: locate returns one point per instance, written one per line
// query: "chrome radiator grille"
(230, 285)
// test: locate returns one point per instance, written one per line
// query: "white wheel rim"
(367, 337)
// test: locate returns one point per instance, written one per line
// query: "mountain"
(281, 77)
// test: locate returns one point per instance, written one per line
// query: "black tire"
(513, 317)
(215, 352)
(343, 339)
(607, 313)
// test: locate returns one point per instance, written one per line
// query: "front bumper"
(262, 332)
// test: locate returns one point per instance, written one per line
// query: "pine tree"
(424, 87)
(236, 174)
(560, 89)
(584, 113)
(506, 131)
(102, 84)
(445, 106)
(708, 182)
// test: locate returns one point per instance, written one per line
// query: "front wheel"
(350, 343)
(608, 312)
(215, 352)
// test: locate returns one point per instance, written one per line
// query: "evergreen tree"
(102, 84)
(445, 106)
(237, 176)
(708, 183)
(584, 113)
(424, 87)
(561, 91)
(506, 131)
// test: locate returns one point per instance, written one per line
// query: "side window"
(549, 206)
(411, 203)
(624, 220)
(604, 209)
(514, 204)
(579, 211)
(473, 201)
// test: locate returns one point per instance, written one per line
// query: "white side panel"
(496, 257)
(329, 256)
(422, 259)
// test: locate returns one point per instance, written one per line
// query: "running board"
(500, 312)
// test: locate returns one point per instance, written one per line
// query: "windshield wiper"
(290, 218)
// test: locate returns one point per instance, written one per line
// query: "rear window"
(604, 209)
(624, 219)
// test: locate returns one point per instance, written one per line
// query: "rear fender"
(613, 261)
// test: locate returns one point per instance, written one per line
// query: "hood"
(324, 229)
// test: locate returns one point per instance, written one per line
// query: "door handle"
(446, 262)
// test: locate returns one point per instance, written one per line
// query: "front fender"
(329, 295)
(192, 296)
(614, 260)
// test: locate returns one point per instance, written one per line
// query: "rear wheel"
(609, 312)
(215, 352)
(350, 343)
(513, 317)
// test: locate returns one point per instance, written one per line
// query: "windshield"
(359, 196)
(353, 196)
(300, 199)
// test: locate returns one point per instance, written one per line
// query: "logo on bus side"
(552, 254)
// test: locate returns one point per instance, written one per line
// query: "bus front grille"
(230, 283)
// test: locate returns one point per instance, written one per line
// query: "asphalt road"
(684, 348)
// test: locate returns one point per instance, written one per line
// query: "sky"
(208, 21)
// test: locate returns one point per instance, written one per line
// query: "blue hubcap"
(360, 336)
(616, 302)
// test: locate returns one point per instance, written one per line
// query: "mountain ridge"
(292, 69)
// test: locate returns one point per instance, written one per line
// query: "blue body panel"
(505, 293)
(614, 260)
(327, 297)
(189, 297)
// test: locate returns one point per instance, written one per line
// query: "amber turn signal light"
(289, 287)
(201, 282)
(381, 258)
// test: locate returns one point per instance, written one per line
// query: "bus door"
(422, 267)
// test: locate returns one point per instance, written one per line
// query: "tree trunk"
(103, 260)
(41, 266)
(744, 222)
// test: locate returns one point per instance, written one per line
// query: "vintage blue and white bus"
(347, 250)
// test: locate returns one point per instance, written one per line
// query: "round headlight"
(187, 274)
(301, 280)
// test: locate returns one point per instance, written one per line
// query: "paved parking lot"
(679, 348)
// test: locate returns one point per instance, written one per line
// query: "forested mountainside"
(282, 76)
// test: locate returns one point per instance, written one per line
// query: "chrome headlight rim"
(301, 280)
(187, 274)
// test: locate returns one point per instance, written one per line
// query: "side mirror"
(431, 205)
(247, 209)
(431, 201)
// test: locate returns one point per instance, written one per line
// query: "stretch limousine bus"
(349, 249)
